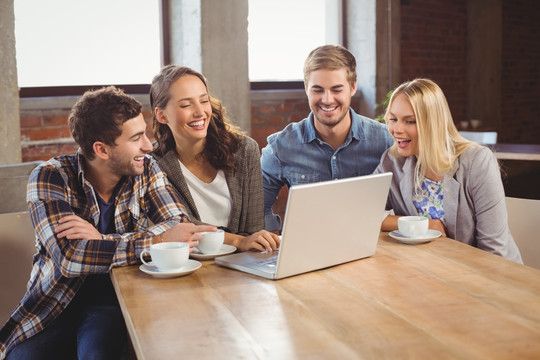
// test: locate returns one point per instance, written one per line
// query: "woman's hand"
(261, 240)
(391, 223)
(437, 224)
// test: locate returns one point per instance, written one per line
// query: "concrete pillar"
(211, 36)
(361, 20)
(10, 128)
(373, 36)
(225, 56)
(185, 33)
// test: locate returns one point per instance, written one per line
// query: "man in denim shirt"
(333, 142)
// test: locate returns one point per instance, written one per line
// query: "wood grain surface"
(440, 300)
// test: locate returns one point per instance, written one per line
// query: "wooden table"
(441, 300)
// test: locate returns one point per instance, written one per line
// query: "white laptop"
(326, 223)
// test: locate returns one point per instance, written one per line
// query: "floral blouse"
(429, 200)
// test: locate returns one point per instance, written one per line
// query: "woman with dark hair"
(215, 167)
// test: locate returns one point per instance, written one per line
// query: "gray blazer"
(245, 186)
(473, 200)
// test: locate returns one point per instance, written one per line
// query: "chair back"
(13, 181)
(523, 220)
(17, 247)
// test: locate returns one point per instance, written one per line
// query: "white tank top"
(213, 200)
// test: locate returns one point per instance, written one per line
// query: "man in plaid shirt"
(91, 211)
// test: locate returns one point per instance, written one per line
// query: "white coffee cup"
(211, 241)
(413, 226)
(168, 255)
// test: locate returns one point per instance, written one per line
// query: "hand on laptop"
(261, 241)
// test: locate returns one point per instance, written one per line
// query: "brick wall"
(44, 127)
(433, 45)
(45, 133)
(272, 110)
(520, 120)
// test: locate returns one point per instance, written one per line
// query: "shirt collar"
(355, 132)
(82, 179)
(80, 166)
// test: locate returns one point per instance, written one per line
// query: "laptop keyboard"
(270, 262)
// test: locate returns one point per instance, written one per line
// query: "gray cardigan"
(473, 200)
(245, 186)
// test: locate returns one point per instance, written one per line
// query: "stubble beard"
(122, 167)
(329, 122)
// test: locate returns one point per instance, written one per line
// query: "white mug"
(168, 255)
(211, 241)
(413, 226)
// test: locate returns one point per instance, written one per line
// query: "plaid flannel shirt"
(57, 188)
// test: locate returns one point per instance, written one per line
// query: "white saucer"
(430, 235)
(151, 269)
(225, 249)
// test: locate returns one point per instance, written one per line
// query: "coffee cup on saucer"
(413, 226)
(167, 256)
(211, 241)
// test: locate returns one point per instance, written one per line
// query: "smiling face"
(329, 95)
(188, 111)
(127, 155)
(402, 126)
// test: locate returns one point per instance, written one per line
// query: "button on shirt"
(296, 155)
(57, 188)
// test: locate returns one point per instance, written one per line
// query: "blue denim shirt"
(296, 155)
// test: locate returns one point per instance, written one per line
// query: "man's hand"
(74, 227)
(187, 232)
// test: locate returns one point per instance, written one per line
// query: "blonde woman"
(438, 174)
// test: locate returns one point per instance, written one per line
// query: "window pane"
(283, 32)
(98, 42)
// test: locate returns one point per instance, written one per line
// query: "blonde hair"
(439, 142)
